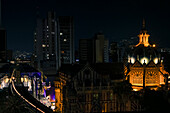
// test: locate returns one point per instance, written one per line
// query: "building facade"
(91, 88)
(86, 50)
(3, 42)
(66, 41)
(94, 50)
(46, 44)
(113, 52)
(101, 49)
(145, 67)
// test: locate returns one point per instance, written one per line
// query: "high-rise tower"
(0, 14)
(3, 44)
(66, 42)
(45, 44)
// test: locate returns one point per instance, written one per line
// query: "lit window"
(22, 80)
(35, 33)
(61, 33)
(47, 45)
(47, 54)
(65, 40)
(62, 51)
(154, 45)
(35, 40)
(47, 36)
(47, 26)
(25, 79)
(53, 33)
(43, 45)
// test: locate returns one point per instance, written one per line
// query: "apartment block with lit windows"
(66, 39)
(45, 44)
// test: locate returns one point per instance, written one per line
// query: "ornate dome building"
(145, 67)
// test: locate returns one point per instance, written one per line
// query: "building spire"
(143, 24)
(143, 36)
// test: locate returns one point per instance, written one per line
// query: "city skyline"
(84, 57)
(116, 19)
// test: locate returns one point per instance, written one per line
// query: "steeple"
(143, 36)
(143, 24)
(143, 30)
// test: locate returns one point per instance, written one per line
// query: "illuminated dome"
(144, 54)
(143, 51)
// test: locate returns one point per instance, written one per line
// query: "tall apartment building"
(94, 50)
(3, 43)
(53, 43)
(113, 52)
(101, 46)
(66, 42)
(86, 50)
(45, 44)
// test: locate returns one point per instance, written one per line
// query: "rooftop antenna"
(143, 24)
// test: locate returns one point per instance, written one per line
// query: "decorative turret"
(143, 36)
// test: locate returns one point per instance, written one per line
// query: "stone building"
(91, 88)
(145, 67)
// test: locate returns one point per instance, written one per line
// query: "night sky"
(117, 19)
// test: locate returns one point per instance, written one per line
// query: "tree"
(16, 105)
(123, 91)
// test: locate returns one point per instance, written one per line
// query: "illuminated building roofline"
(143, 36)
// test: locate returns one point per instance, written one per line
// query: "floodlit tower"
(143, 36)
(3, 44)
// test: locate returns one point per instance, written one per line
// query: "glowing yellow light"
(132, 60)
(13, 78)
(144, 60)
(135, 89)
(143, 39)
(155, 60)
(6, 80)
(25, 79)
(153, 45)
(43, 45)
(22, 79)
